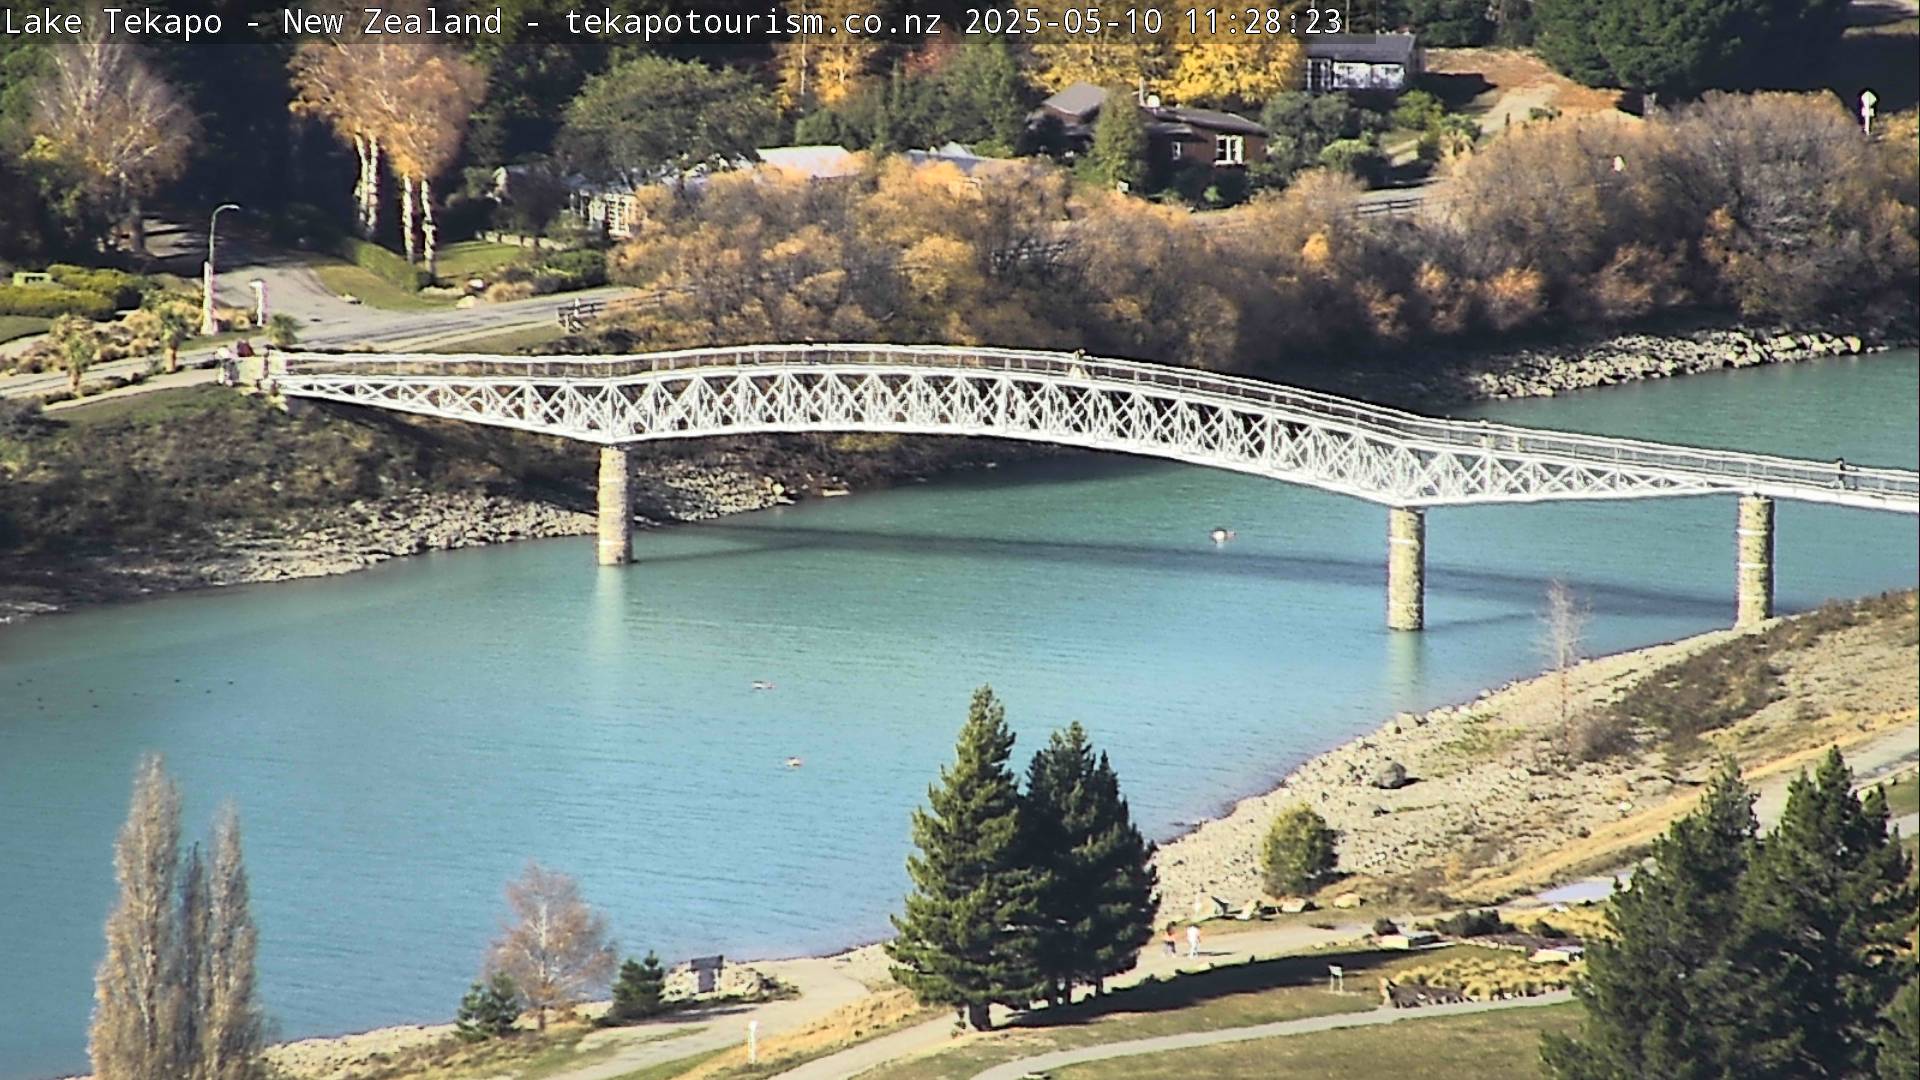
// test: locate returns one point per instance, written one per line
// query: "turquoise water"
(402, 740)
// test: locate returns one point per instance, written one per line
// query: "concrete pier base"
(616, 511)
(1406, 569)
(1753, 578)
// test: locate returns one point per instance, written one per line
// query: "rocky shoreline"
(1632, 357)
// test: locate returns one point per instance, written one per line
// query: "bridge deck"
(1369, 451)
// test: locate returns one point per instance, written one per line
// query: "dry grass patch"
(868, 1018)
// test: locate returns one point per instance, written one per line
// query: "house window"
(1173, 150)
(1229, 149)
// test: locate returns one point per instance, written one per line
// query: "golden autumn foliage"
(1111, 58)
(1541, 228)
(1234, 73)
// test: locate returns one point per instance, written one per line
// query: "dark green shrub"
(51, 302)
(1472, 924)
(489, 1010)
(576, 269)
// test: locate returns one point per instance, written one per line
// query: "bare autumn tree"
(139, 1003)
(104, 114)
(330, 81)
(229, 1029)
(426, 120)
(556, 950)
(1562, 632)
(174, 996)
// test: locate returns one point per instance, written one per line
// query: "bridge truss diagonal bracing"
(1319, 440)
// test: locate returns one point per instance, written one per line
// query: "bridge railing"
(1721, 468)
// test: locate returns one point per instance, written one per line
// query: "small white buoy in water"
(794, 763)
(762, 684)
(1221, 536)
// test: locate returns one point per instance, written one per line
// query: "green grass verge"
(507, 342)
(1489, 1046)
(1903, 795)
(19, 326)
(345, 279)
(1288, 988)
(469, 258)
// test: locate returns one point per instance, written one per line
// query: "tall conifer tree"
(1097, 869)
(1819, 946)
(967, 938)
(1656, 989)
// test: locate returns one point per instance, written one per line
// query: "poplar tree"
(1097, 869)
(967, 938)
(138, 1006)
(1657, 992)
(1820, 949)
(230, 1028)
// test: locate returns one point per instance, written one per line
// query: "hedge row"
(576, 269)
(384, 264)
(49, 302)
(118, 286)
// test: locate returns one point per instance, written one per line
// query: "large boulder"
(1390, 775)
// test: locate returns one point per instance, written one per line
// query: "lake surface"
(401, 741)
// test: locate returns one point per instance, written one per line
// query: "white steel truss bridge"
(1398, 459)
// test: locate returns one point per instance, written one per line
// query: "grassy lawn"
(345, 279)
(19, 326)
(507, 342)
(1288, 988)
(1491, 1046)
(476, 257)
(1903, 796)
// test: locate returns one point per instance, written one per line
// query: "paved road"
(328, 322)
(1060, 1059)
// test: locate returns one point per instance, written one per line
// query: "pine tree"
(1098, 875)
(1119, 152)
(138, 1004)
(488, 1010)
(230, 1029)
(968, 938)
(1899, 1042)
(1819, 947)
(1298, 854)
(1657, 990)
(636, 993)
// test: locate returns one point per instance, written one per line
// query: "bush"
(1298, 854)
(1472, 924)
(489, 1009)
(48, 303)
(20, 417)
(576, 269)
(637, 992)
(384, 264)
(1383, 927)
(1358, 157)
(118, 286)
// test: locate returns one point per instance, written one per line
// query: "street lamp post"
(207, 323)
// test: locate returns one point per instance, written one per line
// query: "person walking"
(1193, 940)
(1172, 946)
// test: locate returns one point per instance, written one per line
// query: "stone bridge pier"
(615, 546)
(1753, 576)
(1406, 568)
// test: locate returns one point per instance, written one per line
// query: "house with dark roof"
(1175, 135)
(1362, 63)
